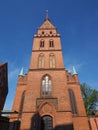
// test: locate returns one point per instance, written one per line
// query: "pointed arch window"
(51, 43)
(52, 61)
(41, 61)
(72, 101)
(46, 86)
(42, 43)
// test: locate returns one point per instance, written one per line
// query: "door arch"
(46, 123)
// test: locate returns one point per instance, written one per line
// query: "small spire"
(47, 15)
(21, 72)
(74, 71)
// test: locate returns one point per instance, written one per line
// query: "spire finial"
(74, 71)
(47, 15)
(21, 72)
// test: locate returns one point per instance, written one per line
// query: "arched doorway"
(46, 123)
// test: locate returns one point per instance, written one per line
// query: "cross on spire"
(47, 15)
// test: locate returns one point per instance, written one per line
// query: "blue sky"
(76, 21)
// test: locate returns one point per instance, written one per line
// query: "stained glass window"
(46, 85)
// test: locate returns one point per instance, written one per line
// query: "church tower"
(48, 97)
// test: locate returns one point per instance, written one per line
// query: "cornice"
(46, 35)
(49, 69)
(46, 50)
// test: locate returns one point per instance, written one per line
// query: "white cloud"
(13, 73)
(78, 67)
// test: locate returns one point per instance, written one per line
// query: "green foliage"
(90, 97)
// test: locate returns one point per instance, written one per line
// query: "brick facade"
(48, 93)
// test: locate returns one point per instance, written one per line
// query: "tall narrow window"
(42, 43)
(52, 61)
(72, 101)
(46, 86)
(51, 43)
(22, 102)
(41, 61)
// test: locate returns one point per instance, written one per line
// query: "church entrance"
(46, 123)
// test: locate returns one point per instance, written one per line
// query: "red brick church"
(48, 97)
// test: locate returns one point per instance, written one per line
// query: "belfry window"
(42, 32)
(41, 61)
(51, 43)
(52, 61)
(72, 102)
(50, 32)
(42, 43)
(46, 86)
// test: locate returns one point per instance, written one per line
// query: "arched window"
(41, 61)
(52, 61)
(46, 86)
(51, 43)
(72, 101)
(42, 43)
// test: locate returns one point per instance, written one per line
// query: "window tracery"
(46, 86)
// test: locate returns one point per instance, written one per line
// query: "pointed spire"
(21, 72)
(47, 15)
(74, 71)
(47, 23)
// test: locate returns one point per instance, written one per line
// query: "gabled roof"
(47, 25)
